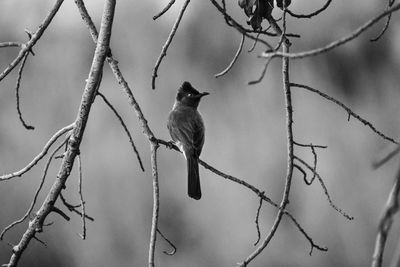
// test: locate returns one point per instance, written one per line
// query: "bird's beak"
(204, 94)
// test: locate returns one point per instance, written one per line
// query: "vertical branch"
(36, 224)
(156, 203)
(290, 154)
(391, 208)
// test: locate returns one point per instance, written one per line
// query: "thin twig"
(382, 32)
(264, 71)
(336, 43)
(333, 205)
(35, 37)
(36, 193)
(80, 191)
(165, 9)
(257, 221)
(233, 60)
(21, 68)
(125, 128)
(72, 208)
(169, 242)
(167, 43)
(40, 155)
(10, 44)
(309, 16)
(386, 157)
(348, 110)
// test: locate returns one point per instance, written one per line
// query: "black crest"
(188, 88)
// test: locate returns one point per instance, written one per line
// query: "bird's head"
(188, 96)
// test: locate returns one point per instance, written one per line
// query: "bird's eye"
(189, 95)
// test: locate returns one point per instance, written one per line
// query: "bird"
(186, 128)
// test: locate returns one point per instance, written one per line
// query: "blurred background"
(245, 136)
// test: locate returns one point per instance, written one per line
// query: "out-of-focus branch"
(35, 37)
(385, 223)
(167, 43)
(36, 224)
(309, 16)
(336, 43)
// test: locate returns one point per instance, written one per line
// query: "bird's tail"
(194, 190)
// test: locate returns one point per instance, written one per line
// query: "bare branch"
(72, 208)
(167, 43)
(386, 157)
(36, 193)
(336, 43)
(35, 37)
(165, 9)
(257, 221)
(390, 3)
(290, 155)
(385, 223)
(125, 128)
(40, 155)
(10, 44)
(83, 235)
(309, 16)
(233, 60)
(169, 242)
(75, 139)
(333, 205)
(156, 203)
(28, 127)
(348, 110)
(264, 71)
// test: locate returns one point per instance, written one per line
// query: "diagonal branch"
(102, 47)
(167, 43)
(349, 111)
(336, 43)
(40, 155)
(34, 38)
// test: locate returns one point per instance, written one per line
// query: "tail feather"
(194, 190)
